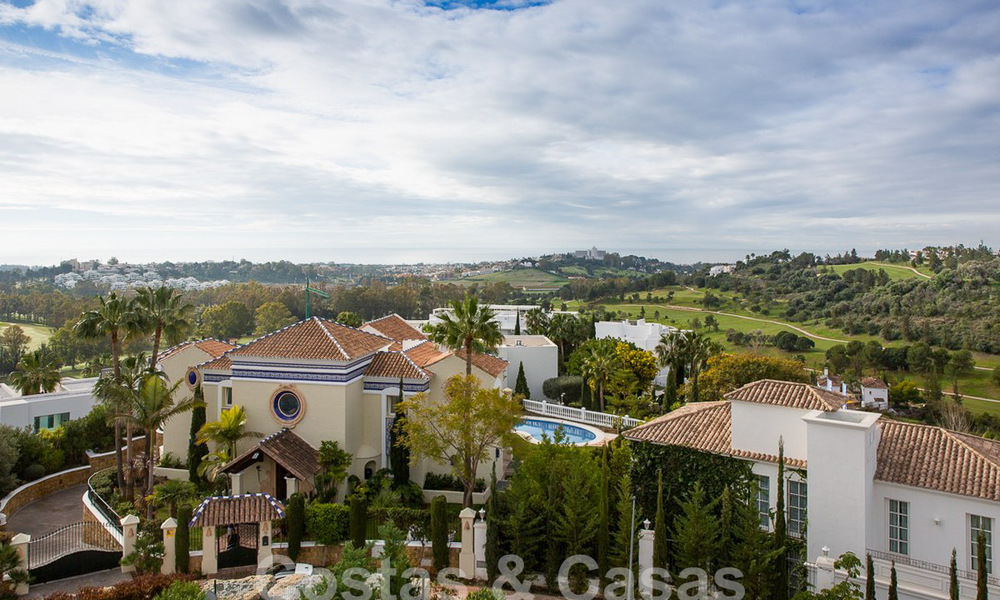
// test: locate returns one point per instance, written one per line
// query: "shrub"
(450, 483)
(33, 472)
(486, 594)
(182, 590)
(439, 532)
(328, 523)
(570, 385)
(407, 519)
(143, 587)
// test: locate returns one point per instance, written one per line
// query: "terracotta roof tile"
(426, 354)
(873, 382)
(314, 338)
(491, 364)
(395, 365)
(212, 347)
(223, 363)
(704, 426)
(935, 458)
(396, 328)
(285, 448)
(233, 510)
(788, 394)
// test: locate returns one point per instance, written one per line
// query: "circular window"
(192, 378)
(287, 405)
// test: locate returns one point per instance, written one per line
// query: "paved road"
(72, 584)
(50, 513)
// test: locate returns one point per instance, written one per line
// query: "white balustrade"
(580, 415)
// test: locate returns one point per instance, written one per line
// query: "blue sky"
(371, 130)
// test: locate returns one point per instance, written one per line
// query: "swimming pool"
(535, 428)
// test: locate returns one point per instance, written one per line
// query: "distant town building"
(831, 383)
(874, 393)
(592, 254)
(720, 269)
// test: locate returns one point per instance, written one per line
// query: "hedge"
(328, 523)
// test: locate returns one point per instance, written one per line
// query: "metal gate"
(72, 550)
(237, 545)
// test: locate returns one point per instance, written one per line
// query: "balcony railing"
(928, 566)
(581, 415)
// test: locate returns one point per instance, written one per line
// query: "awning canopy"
(235, 510)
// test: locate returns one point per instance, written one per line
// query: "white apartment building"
(73, 400)
(538, 354)
(855, 481)
(506, 315)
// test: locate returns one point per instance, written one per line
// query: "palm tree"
(162, 313)
(37, 372)
(229, 429)
(469, 327)
(699, 349)
(537, 321)
(671, 351)
(598, 368)
(173, 493)
(114, 319)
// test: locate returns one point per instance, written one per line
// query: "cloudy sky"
(371, 130)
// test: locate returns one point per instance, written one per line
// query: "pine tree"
(439, 532)
(952, 576)
(625, 533)
(869, 578)
(295, 519)
(196, 452)
(893, 585)
(981, 570)
(696, 531)
(183, 557)
(752, 553)
(359, 521)
(521, 386)
(780, 590)
(661, 547)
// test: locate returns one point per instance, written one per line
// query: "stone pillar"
(264, 543)
(20, 543)
(236, 481)
(291, 486)
(130, 528)
(169, 528)
(209, 551)
(646, 539)
(467, 555)
(826, 575)
(479, 547)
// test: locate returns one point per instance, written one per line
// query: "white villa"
(73, 400)
(644, 335)
(538, 354)
(313, 381)
(505, 315)
(903, 492)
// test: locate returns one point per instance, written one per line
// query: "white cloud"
(358, 122)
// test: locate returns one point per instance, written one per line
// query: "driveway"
(72, 584)
(50, 513)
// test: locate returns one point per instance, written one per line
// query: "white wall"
(842, 458)
(21, 412)
(642, 334)
(540, 359)
(756, 428)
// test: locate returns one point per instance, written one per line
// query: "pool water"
(536, 428)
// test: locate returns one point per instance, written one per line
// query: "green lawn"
(895, 272)
(521, 278)
(39, 334)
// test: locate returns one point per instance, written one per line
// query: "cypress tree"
(493, 522)
(196, 452)
(724, 544)
(553, 557)
(696, 532)
(981, 574)
(517, 324)
(399, 452)
(521, 387)
(893, 585)
(869, 577)
(660, 542)
(604, 517)
(359, 521)
(182, 564)
(780, 590)
(953, 576)
(295, 519)
(439, 532)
